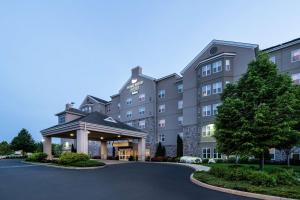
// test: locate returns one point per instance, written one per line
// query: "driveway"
(131, 181)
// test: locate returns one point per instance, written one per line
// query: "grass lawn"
(234, 181)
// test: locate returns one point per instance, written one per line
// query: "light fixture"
(101, 138)
(72, 134)
(119, 136)
(43, 140)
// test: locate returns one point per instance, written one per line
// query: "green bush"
(286, 177)
(87, 163)
(205, 160)
(218, 171)
(69, 157)
(261, 178)
(219, 160)
(231, 160)
(37, 157)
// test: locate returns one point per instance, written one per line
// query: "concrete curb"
(236, 192)
(62, 167)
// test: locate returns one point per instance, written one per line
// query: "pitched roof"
(98, 99)
(221, 42)
(72, 111)
(100, 119)
(283, 45)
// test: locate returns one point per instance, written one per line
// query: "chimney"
(69, 105)
(136, 71)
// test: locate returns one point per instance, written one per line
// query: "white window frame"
(129, 123)
(215, 108)
(208, 130)
(142, 97)
(206, 70)
(227, 64)
(216, 155)
(292, 56)
(272, 59)
(206, 111)
(180, 120)
(162, 137)
(206, 90)
(180, 88)
(162, 108)
(206, 152)
(217, 67)
(129, 101)
(162, 123)
(296, 78)
(129, 114)
(180, 104)
(142, 110)
(162, 94)
(217, 88)
(142, 124)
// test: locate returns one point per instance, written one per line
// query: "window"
(208, 130)
(141, 97)
(215, 108)
(180, 88)
(273, 59)
(272, 153)
(227, 82)
(217, 66)
(162, 123)
(296, 55)
(129, 101)
(227, 65)
(119, 105)
(180, 104)
(119, 116)
(180, 120)
(181, 134)
(206, 111)
(162, 94)
(161, 108)
(142, 110)
(206, 153)
(296, 78)
(206, 90)
(142, 124)
(217, 88)
(129, 114)
(162, 137)
(206, 70)
(216, 154)
(61, 119)
(129, 123)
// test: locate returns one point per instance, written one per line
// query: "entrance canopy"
(94, 126)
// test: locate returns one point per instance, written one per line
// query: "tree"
(23, 141)
(179, 146)
(73, 149)
(57, 150)
(39, 147)
(5, 148)
(257, 112)
(160, 151)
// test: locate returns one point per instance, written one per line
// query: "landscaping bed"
(274, 180)
(66, 160)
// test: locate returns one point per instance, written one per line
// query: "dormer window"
(61, 119)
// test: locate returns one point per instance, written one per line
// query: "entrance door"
(124, 154)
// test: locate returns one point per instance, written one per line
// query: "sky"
(58, 51)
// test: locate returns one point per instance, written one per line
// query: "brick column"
(82, 142)
(141, 149)
(103, 150)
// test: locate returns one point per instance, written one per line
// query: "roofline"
(93, 127)
(168, 76)
(282, 45)
(97, 100)
(214, 57)
(223, 42)
(66, 111)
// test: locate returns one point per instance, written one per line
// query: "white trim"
(221, 42)
(280, 46)
(110, 119)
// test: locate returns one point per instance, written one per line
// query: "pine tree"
(23, 141)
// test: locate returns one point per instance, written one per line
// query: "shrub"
(87, 163)
(261, 178)
(159, 159)
(205, 160)
(69, 157)
(219, 160)
(37, 157)
(231, 160)
(286, 177)
(218, 171)
(244, 160)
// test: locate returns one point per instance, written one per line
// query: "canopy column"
(141, 149)
(82, 141)
(47, 146)
(103, 150)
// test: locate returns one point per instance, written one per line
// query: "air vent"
(213, 50)
(110, 119)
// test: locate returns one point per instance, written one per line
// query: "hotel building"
(184, 104)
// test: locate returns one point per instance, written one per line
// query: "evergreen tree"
(259, 112)
(23, 141)
(179, 146)
(5, 148)
(160, 151)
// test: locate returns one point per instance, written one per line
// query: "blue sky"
(54, 52)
